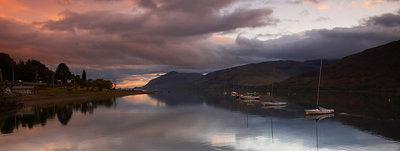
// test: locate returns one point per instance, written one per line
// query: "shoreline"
(31, 100)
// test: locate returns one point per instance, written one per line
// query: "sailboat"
(273, 102)
(318, 109)
(250, 96)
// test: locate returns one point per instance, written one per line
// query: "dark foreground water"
(177, 121)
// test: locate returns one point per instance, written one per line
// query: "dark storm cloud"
(158, 32)
(154, 38)
(161, 22)
(334, 43)
(197, 6)
(387, 20)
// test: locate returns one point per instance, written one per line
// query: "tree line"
(34, 71)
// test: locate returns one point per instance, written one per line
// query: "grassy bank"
(54, 95)
(76, 91)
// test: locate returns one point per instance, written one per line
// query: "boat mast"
(319, 80)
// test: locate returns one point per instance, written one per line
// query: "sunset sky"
(132, 41)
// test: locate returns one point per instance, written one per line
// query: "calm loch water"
(177, 121)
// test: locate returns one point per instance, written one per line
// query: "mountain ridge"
(374, 67)
(257, 74)
(172, 80)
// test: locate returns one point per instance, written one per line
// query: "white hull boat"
(273, 106)
(250, 101)
(251, 93)
(319, 110)
(249, 97)
(234, 94)
(273, 103)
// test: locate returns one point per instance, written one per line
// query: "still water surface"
(174, 122)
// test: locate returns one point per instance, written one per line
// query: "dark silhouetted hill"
(377, 67)
(258, 74)
(172, 80)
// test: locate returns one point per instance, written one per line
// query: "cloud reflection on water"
(189, 127)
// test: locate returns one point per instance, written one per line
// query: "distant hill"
(172, 80)
(258, 74)
(377, 67)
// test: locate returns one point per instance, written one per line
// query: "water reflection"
(64, 114)
(372, 113)
(39, 115)
(318, 118)
(189, 121)
(145, 100)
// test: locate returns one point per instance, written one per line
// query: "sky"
(133, 41)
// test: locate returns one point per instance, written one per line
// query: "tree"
(83, 81)
(1, 82)
(1, 76)
(77, 79)
(6, 64)
(64, 114)
(22, 72)
(63, 73)
(37, 71)
(84, 75)
(100, 84)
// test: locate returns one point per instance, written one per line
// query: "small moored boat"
(319, 110)
(250, 97)
(273, 106)
(250, 100)
(234, 94)
(251, 93)
(273, 103)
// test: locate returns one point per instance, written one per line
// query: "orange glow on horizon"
(131, 84)
(143, 99)
(137, 80)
